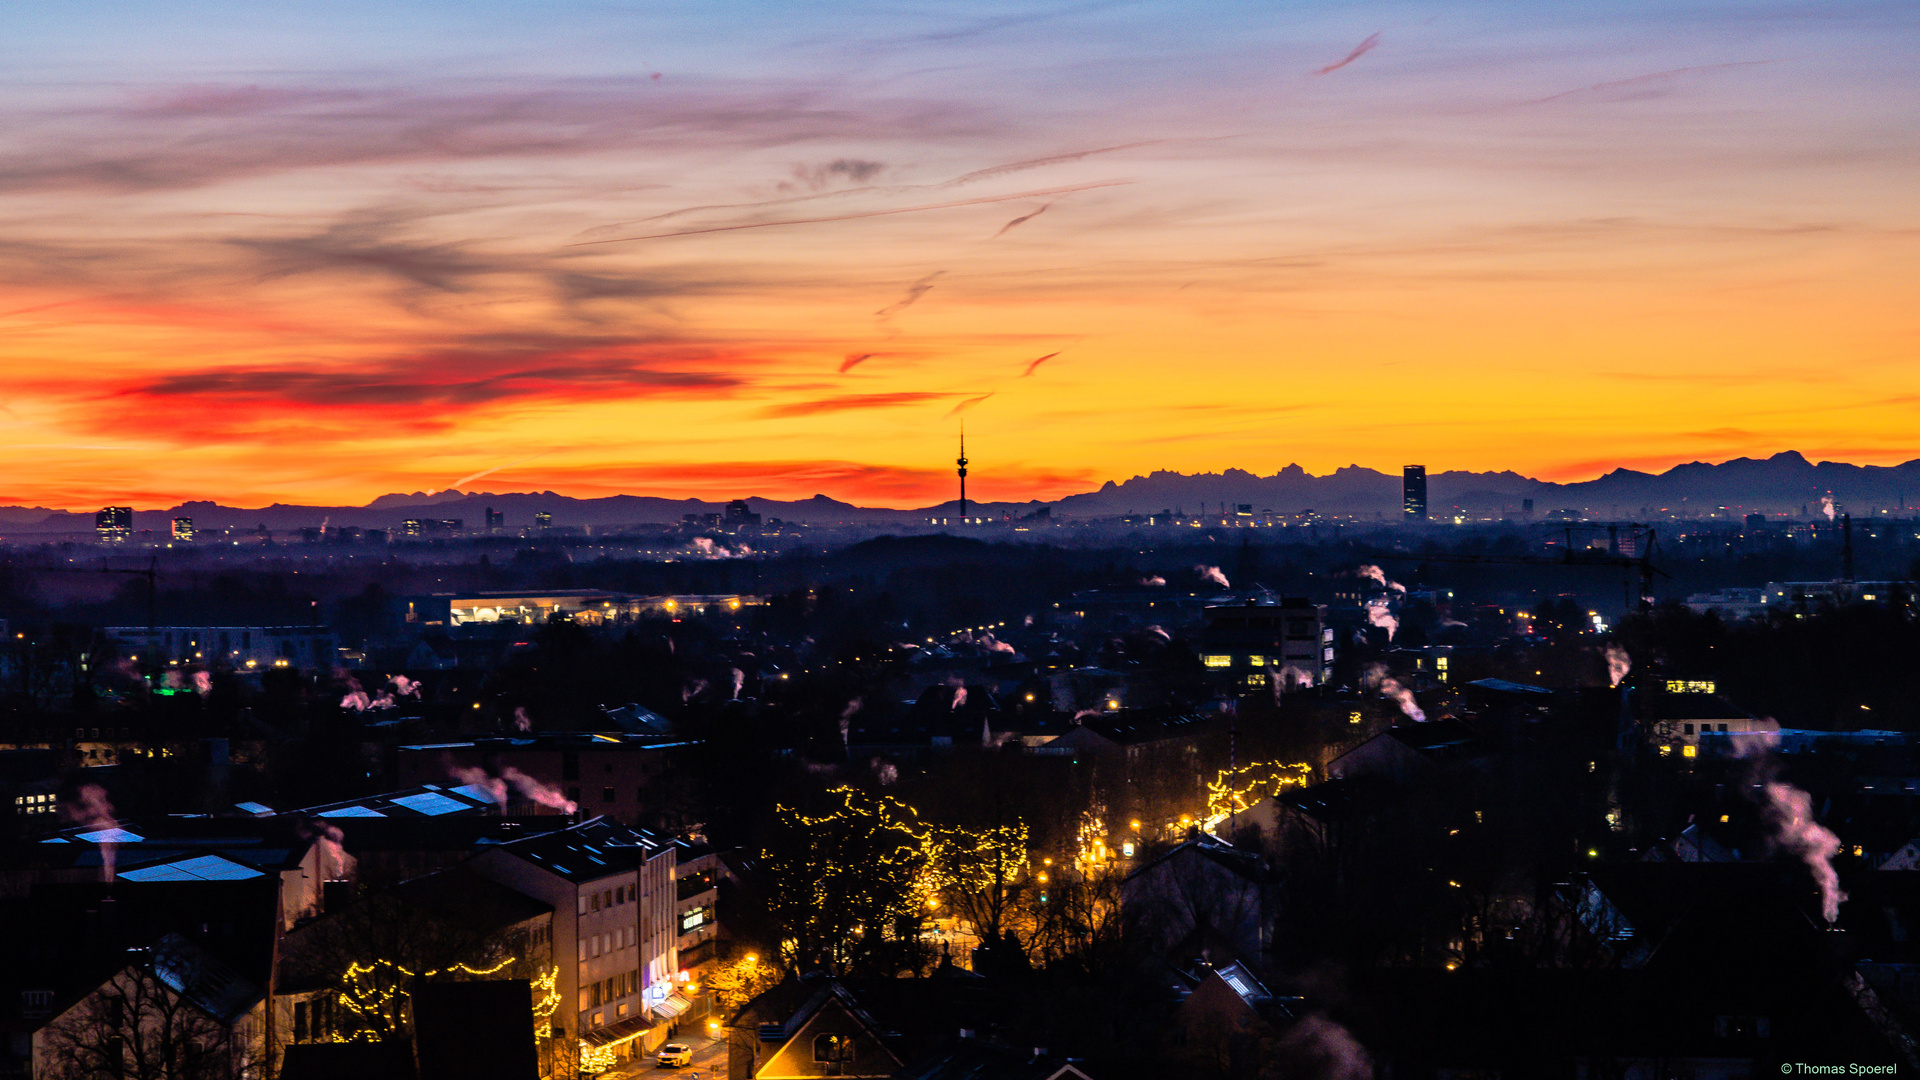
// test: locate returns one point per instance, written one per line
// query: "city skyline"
(321, 255)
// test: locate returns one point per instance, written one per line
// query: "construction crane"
(1640, 561)
(151, 572)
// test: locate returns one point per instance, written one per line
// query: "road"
(709, 1061)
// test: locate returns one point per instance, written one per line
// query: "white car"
(676, 1054)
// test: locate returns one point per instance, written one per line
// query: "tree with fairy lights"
(844, 877)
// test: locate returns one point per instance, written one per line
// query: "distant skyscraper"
(183, 529)
(543, 520)
(114, 523)
(1413, 489)
(963, 471)
(496, 520)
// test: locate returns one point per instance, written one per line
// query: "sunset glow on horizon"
(321, 253)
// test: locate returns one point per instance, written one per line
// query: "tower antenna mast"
(963, 469)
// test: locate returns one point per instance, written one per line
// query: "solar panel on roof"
(352, 811)
(430, 803)
(473, 791)
(198, 868)
(110, 836)
(253, 807)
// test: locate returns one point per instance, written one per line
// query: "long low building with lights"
(240, 648)
(588, 606)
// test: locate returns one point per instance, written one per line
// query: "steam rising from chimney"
(90, 807)
(739, 681)
(1788, 814)
(533, 789)
(335, 863)
(1380, 614)
(1618, 664)
(521, 721)
(1325, 1050)
(1213, 574)
(1374, 573)
(493, 787)
(1154, 582)
(1404, 697)
(1826, 506)
(405, 687)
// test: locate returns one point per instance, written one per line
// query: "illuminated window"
(1217, 661)
(1689, 750)
(1258, 678)
(1690, 686)
(1256, 661)
(1440, 662)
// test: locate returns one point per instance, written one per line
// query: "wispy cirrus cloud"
(193, 136)
(849, 402)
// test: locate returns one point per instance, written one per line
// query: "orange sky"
(267, 257)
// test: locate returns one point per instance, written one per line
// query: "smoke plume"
(1404, 698)
(494, 787)
(521, 721)
(739, 681)
(1320, 1049)
(533, 789)
(1370, 571)
(1618, 664)
(1380, 614)
(1213, 574)
(1154, 582)
(405, 687)
(1788, 814)
(335, 863)
(89, 807)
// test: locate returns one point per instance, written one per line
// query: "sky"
(317, 252)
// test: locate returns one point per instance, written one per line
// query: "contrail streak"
(489, 472)
(1647, 78)
(1359, 51)
(1022, 220)
(864, 214)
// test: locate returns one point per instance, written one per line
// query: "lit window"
(1256, 661)
(1217, 661)
(1689, 750)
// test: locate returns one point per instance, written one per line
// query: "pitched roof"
(593, 849)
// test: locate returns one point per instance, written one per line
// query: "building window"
(606, 795)
(1215, 660)
(573, 795)
(570, 765)
(831, 1048)
(1256, 660)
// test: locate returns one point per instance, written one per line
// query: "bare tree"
(172, 1013)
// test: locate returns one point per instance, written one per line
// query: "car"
(674, 1055)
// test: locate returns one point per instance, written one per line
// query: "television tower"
(963, 469)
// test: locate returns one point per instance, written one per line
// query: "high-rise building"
(496, 520)
(1413, 490)
(114, 523)
(543, 520)
(739, 515)
(183, 529)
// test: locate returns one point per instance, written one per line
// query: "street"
(709, 1060)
